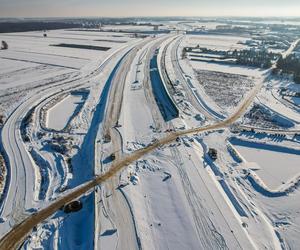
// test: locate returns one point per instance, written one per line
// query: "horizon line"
(151, 16)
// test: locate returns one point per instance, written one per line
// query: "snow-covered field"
(31, 61)
(64, 110)
(230, 69)
(217, 42)
(128, 28)
(277, 165)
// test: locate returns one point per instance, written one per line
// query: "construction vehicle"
(72, 207)
(118, 125)
(107, 138)
(213, 154)
(113, 156)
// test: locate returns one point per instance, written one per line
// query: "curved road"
(21, 192)
(22, 172)
(195, 100)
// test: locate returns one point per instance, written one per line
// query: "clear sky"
(123, 8)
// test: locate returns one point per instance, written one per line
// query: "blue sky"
(113, 8)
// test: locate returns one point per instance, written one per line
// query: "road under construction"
(14, 238)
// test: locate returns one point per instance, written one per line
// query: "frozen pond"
(61, 113)
(277, 164)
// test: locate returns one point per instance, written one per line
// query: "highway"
(156, 114)
(192, 97)
(16, 236)
(115, 204)
(206, 232)
(290, 49)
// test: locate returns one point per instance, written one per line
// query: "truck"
(107, 138)
(72, 207)
(213, 153)
(112, 156)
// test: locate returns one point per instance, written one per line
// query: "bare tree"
(4, 45)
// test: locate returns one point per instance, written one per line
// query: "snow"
(277, 164)
(32, 72)
(219, 42)
(151, 198)
(64, 110)
(296, 100)
(271, 98)
(231, 69)
(227, 90)
(30, 62)
(9, 66)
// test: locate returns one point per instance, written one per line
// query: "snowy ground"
(230, 69)
(31, 61)
(280, 103)
(227, 90)
(217, 42)
(64, 110)
(281, 169)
